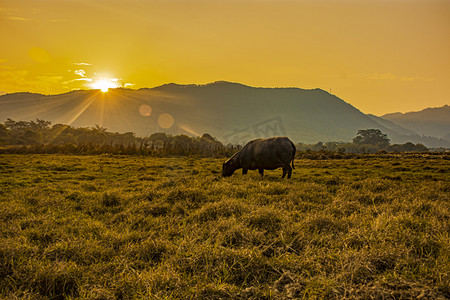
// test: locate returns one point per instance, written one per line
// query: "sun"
(104, 84)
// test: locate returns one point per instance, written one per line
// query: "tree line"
(41, 136)
(366, 141)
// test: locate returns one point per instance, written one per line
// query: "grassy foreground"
(120, 227)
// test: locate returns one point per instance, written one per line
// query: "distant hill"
(400, 135)
(231, 112)
(395, 128)
(430, 121)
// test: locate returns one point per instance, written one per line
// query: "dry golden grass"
(122, 227)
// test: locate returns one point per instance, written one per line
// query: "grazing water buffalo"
(260, 154)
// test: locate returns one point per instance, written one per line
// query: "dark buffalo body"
(263, 154)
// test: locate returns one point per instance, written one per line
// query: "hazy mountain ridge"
(232, 112)
(397, 129)
(434, 121)
(401, 135)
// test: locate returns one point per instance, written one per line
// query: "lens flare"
(39, 55)
(165, 120)
(145, 110)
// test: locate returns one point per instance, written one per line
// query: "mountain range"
(431, 121)
(231, 112)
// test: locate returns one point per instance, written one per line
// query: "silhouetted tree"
(408, 147)
(421, 148)
(208, 137)
(3, 134)
(319, 146)
(159, 136)
(40, 124)
(372, 137)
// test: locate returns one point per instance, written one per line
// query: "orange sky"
(381, 56)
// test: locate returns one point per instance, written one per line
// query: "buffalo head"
(228, 168)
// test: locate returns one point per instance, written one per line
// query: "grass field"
(121, 227)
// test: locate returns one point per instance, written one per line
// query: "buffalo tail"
(293, 158)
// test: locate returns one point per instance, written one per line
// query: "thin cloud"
(81, 64)
(23, 19)
(13, 76)
(378, 76)
(22, 80)
(81, 73)
(20, 19)
(55, 20)
(78, 79)
(417, 78)
(119, 81)
(50, 78)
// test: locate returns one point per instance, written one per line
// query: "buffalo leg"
(287, 169)
(261, 171)
(289, 173)
(244, 171)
